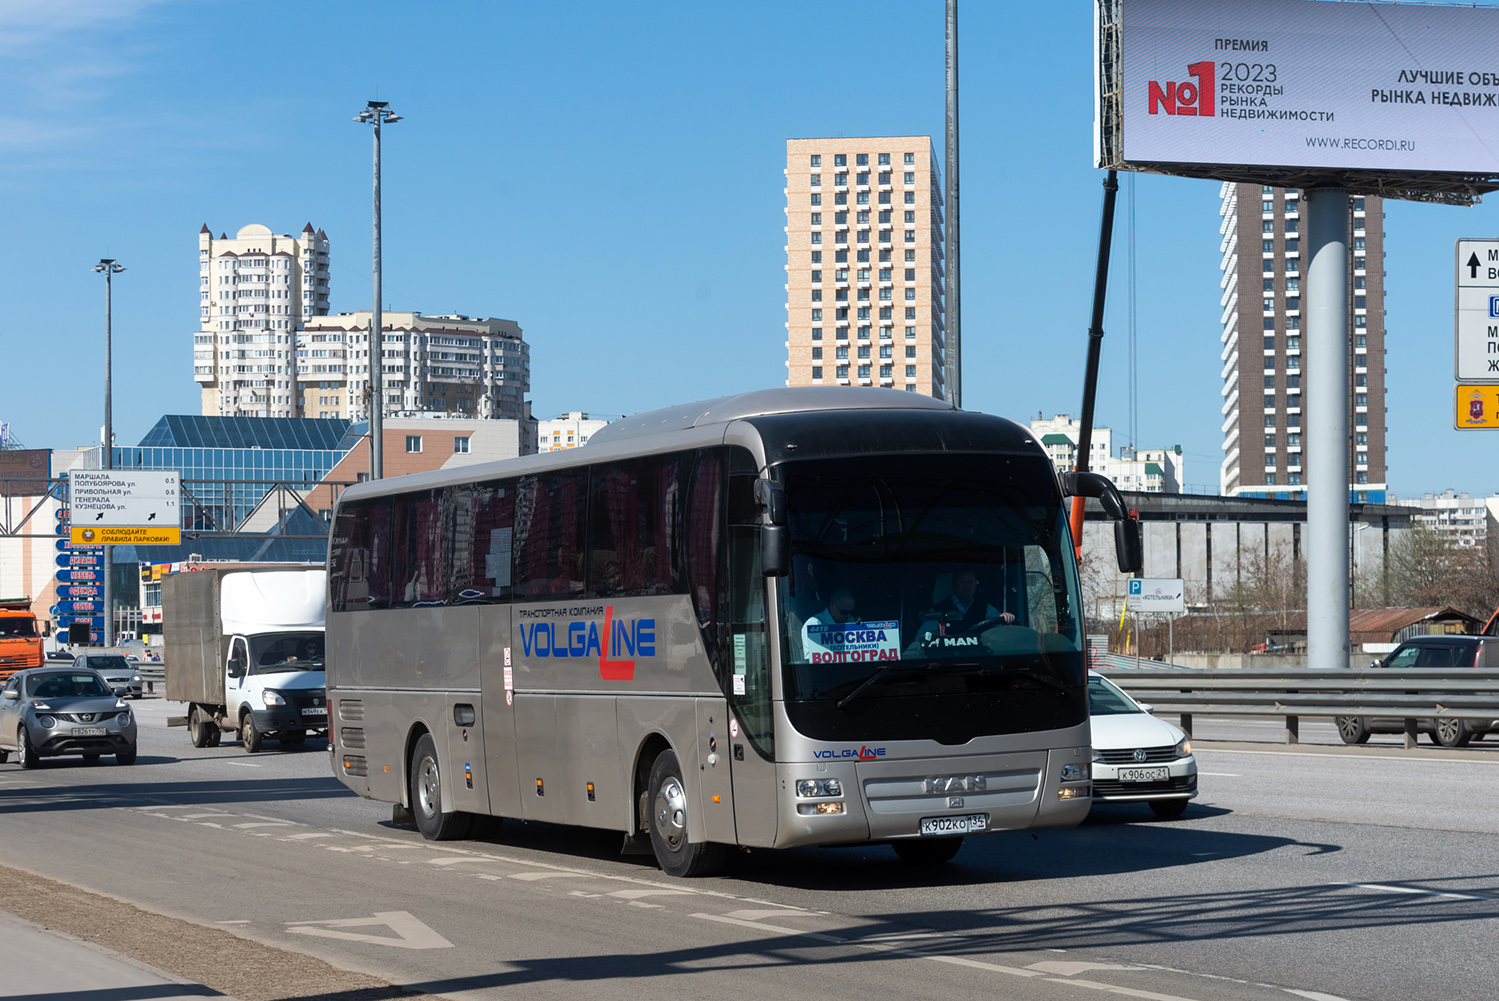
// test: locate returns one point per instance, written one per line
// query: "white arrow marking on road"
(413, 934)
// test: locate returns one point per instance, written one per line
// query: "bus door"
(751, 744)
(496, 679)
(716, 753)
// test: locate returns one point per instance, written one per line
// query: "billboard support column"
(1326, 429)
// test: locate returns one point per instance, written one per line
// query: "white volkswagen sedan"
(1136, 757)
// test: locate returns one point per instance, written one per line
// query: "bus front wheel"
(668, 823)
(427, 805)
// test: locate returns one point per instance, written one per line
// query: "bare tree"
(1427, 568)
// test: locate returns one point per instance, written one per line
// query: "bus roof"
(761, 403)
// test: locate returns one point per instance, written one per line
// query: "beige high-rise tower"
(864, 263)
(255, 289)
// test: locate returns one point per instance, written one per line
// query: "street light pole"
(109, 268)
(378, 113)
(953, 342)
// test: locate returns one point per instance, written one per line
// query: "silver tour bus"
(789, 617)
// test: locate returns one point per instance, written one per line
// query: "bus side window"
(701, 544)
(359, 572)
(348, 570)
(485, 570)
(418, 573)
(549, 534)
(633, 515)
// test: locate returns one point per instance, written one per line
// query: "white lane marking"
(753, 915)
(761, 926)
(1351, 756)
(242, 764)
(308, 835)
(1064, 969)
(1223, 775)
(637, 894)
(240, 922)
(455, 860)
(1386, 888)
(1126, 991)
(531, 877)
(1312, 995)
(413, 934)
(200, 816)
(263, 823)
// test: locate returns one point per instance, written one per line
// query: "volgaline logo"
(584, 638)
(863, 754)
(1187, 98)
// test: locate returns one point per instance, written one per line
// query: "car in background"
(51, 711)
(1136, 757)
(1429, 651)
(121, 675)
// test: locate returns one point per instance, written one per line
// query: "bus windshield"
(918, 575)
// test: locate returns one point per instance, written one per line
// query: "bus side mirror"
(772, 497)
(775, 550)
(1127, 546)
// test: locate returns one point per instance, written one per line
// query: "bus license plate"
(955, 825)
(1144, 774)
(88, 731)
(319, 711)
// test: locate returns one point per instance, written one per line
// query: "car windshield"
(946, 574)
(280, 652)
(66, 685)
(1105, 699)
(108, 663)
(15, 625)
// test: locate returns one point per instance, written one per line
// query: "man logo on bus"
(584, 638)
(1187, 98)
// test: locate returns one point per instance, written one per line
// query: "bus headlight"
(1074, 773)
(818, 809)
(812, 788)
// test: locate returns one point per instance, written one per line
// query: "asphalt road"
(1321, 870)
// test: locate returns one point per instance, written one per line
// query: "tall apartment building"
(254, 290)
(864, 263)
(569, 430)
(453, 364)
(1146, 470)
(1263, 359)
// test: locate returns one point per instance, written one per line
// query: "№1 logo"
(1187, 98)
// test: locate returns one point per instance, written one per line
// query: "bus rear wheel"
(426, 793)
(668, 824)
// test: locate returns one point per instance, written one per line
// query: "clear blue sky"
(610, 176)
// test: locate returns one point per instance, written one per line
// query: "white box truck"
(244, 650)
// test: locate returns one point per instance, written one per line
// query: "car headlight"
(273, 698)
(123, 719)
(1074, 773)
(47, 721)
(39, 705)
(1184, 748)
(136, 678)
(809, 788)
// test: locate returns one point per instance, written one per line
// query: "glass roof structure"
(192, 431)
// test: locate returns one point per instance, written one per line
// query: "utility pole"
(953, 355)
(378, 113)
(109, 268)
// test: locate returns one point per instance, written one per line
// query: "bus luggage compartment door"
(715, 755)
(466, 761)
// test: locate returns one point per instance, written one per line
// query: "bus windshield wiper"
(876, 676)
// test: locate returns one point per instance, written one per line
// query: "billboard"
(1293, 91)
(24, 471)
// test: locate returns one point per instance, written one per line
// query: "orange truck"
(20, 639)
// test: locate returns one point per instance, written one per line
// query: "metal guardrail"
(153, 675)
(1413, 694)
